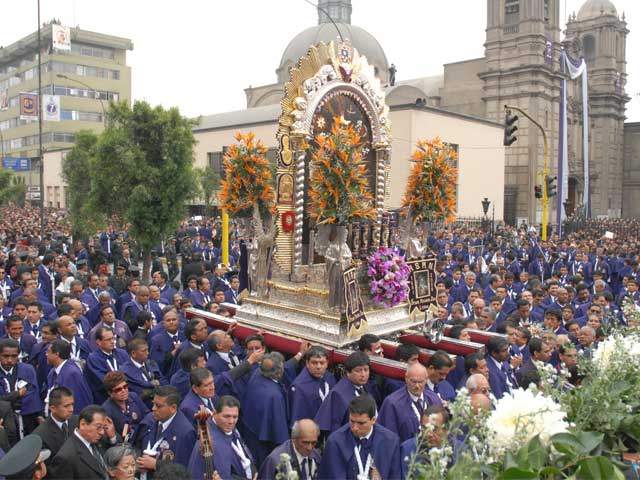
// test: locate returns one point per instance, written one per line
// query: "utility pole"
(41, 165)
(545, 171)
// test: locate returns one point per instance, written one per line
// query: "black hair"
(62, 348)
(169, 392)
(439, 360)
(356, 359)
(89, 412)
(366, 341)
(199, 375)
(405, 351)
(363, 404)
(188, 358)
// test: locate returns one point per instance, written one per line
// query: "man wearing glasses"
(305, 457)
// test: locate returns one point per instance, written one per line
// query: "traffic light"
(538, 191)
(510, 128)
(551, 188)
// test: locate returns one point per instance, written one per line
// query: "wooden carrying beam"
(478, 336)
(449, 345)
(291, 345)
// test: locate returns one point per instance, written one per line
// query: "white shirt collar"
(59, 424)
(82, 439)
(498, 364)
(368, 435)
(58, 369)
(413, 397)
(137, 365)
(166, 423)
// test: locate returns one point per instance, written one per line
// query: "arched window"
(511, 12)
(589, 47)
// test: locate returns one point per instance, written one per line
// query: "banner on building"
(573, 69)
(28, 106)
(422, 283)
(51, 107)
(60, 37)
(4, 99)
(354, 308)
(17, 164)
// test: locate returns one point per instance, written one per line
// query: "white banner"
(51, 107)
(60, 37)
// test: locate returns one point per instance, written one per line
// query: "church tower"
(339, 10)
(522, 51)
(599, 35)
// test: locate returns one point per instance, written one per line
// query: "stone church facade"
(516, 71)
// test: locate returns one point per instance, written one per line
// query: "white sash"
(363, 472)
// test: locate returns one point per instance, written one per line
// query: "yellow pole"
(545, 171)
(225, 237)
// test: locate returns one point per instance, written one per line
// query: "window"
(92, 51)
(589, 47)
(511, 12)
(214, 159)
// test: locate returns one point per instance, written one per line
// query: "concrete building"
(95, 72)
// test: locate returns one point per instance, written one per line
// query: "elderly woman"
(120, 462)
(124, 407)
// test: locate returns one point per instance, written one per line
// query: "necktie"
(364, 449)
(420, 406)
(96, 454)
(159, 432)
(54, 377)
(34, 330)
(359, 391)
(174, 338)
(145, 372)
(233, 359)
(306, 468)
(111, 361)
(65, 430)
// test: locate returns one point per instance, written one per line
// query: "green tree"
(141, 171)
(11, 188)
(209, 183)
(75, 172)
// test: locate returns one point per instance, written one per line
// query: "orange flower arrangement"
(339, 191)
(431, 187)
(248, 178)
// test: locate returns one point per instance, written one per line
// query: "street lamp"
(485, 205)
(104, 113)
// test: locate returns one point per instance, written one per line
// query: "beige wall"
(481, 156)
(54, 186)
(481, 159)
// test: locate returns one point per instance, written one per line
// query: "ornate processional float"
(316, 250)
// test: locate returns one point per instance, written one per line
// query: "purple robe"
(160, 349)
(97, 367)
(178, 438)
(334, 410)
(31, 402)
(338, 459)
(70, 376)
(225, 460)
(398, 413)
(304, 394)
(265, 418)
(191, 405)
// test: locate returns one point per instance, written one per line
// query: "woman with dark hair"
(124, 407)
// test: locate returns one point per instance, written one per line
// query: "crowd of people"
(103, 376)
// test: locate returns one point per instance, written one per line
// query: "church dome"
(365, 43)
(596, 8)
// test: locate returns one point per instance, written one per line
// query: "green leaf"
(510, 461)
(537, 453)
(549, 472)
(597, 468)
(590, 440)
(567, 443)
(518, 474)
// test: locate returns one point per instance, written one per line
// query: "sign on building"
(60, 37)
(28, 106)
(51, 108)
(17, 164)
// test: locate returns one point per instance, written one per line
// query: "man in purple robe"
(107, 358)
(401, 411)
(66, 373)
(108, 320)
(164, 346)
(355, 449)
(311, 386)
(265, 420)
(334, 410)
(202, 393)
(19, 386)
(302, 451)
(231, 456)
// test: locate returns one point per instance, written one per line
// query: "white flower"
(521, 415)
(617, 348)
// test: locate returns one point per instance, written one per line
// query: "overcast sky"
(199, 55)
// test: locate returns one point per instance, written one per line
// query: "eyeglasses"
(121, 388)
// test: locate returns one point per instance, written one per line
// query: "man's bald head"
(480, 401)
(477, 383)
(304, 427)
(416, 378)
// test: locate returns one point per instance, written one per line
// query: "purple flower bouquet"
(389, 275)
